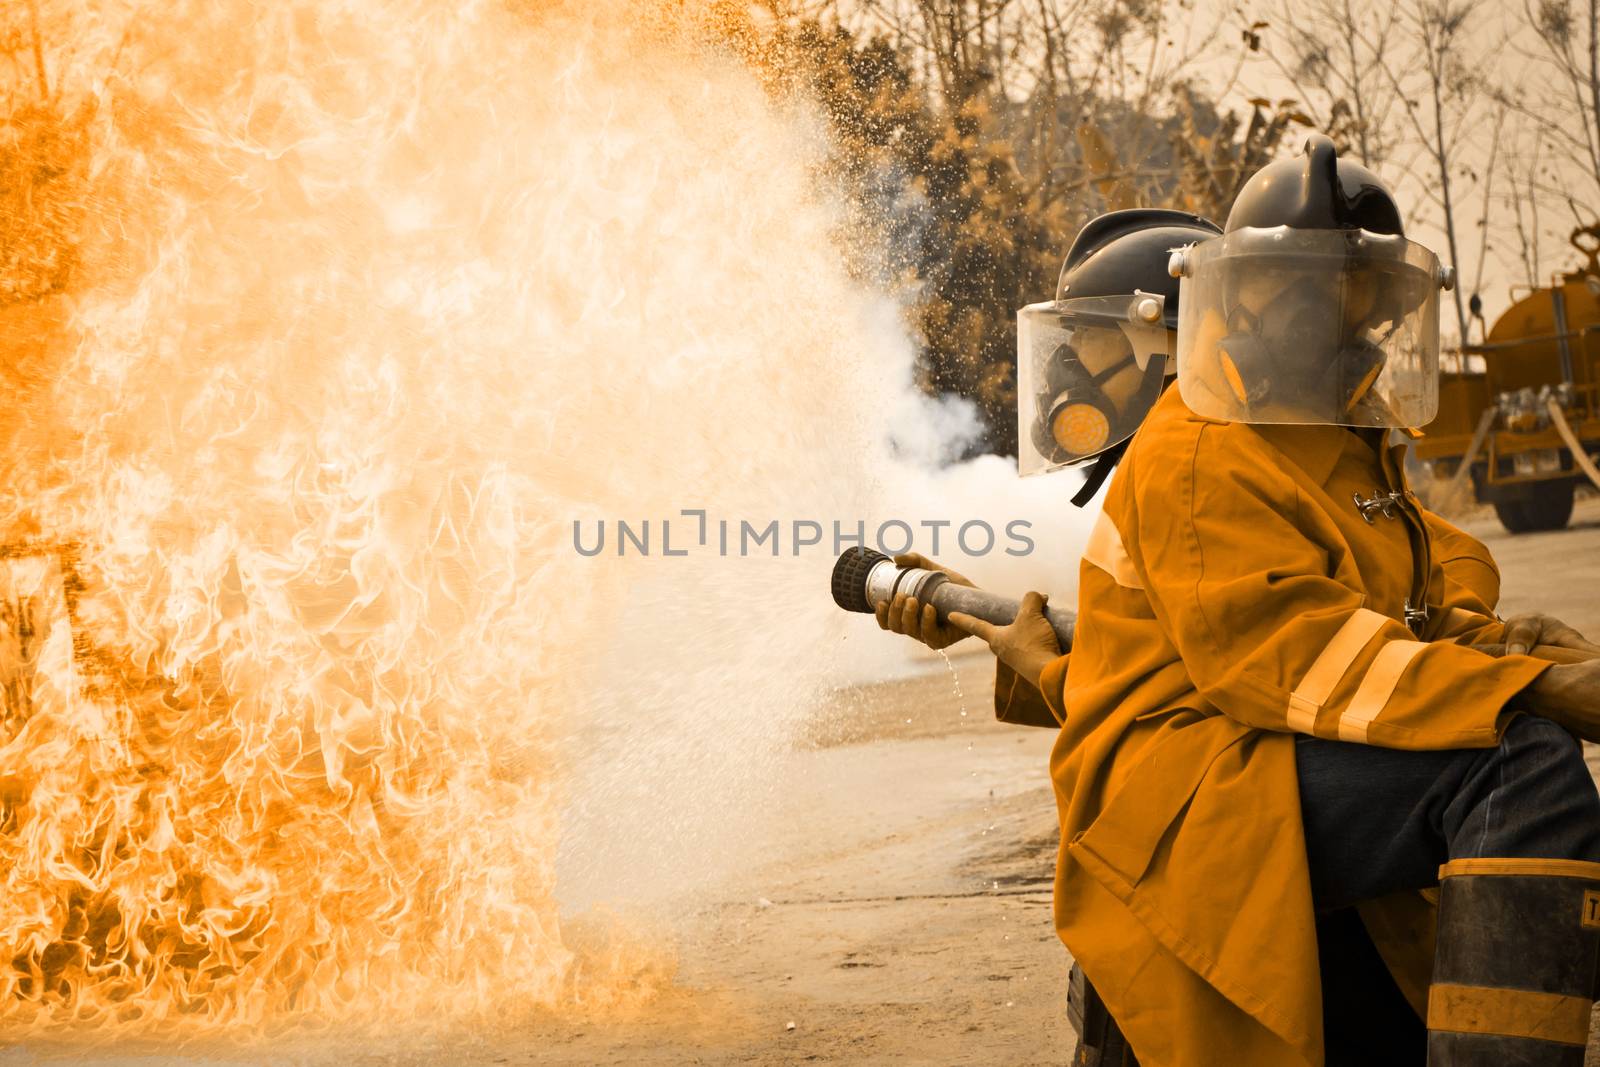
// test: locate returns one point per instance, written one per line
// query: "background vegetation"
(976, 136)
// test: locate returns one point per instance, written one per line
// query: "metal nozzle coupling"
(863, 577)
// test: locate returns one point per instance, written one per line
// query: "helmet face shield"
(1325, 327)
(1088, 371)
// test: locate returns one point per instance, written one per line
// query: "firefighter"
(1274, 705)
(1090, 361)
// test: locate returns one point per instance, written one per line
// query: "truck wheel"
(1542, 506)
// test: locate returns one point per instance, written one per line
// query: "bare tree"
(1333, 61)
(1436, 81)
(1491, 169)
(1523, 196)
(1566, 105)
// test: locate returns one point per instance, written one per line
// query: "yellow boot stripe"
(1507, 865)
(1466, 1009)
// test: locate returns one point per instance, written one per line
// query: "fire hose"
(1579, 456)
(863, 578)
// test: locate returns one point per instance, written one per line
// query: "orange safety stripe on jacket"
(1234, 596)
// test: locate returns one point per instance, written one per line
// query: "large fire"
(320, 321)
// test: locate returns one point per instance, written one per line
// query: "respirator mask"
(1088, 371)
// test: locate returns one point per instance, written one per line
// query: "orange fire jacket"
(1231, 596)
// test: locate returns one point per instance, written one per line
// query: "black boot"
(1516, 965)
(1100, 1042)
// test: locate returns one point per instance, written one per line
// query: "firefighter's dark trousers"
(1379, 820)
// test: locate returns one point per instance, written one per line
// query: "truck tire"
(1541, 506)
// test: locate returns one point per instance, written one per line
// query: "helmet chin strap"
(1104, 464)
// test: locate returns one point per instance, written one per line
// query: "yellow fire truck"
(1519, 414)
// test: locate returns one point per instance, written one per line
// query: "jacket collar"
(1316, 449)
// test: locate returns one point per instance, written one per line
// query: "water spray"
(863, 577)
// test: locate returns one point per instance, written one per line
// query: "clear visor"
(1335, 327)
(1088, 371)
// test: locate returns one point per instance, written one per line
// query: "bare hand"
(1569, 694)
(904, 615)
(1525, 631)
(1027, 645)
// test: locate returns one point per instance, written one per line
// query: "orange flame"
(283, 618)
(320, 323)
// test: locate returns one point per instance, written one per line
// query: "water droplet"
(955, 680)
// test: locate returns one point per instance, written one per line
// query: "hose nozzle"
(863, 578)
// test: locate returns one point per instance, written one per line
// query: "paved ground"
(903, 915)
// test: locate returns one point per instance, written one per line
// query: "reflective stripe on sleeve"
(1376, 688)
(1105, 551)
(1330, 666)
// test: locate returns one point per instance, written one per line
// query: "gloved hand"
(1027, 645)
(920, 621)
